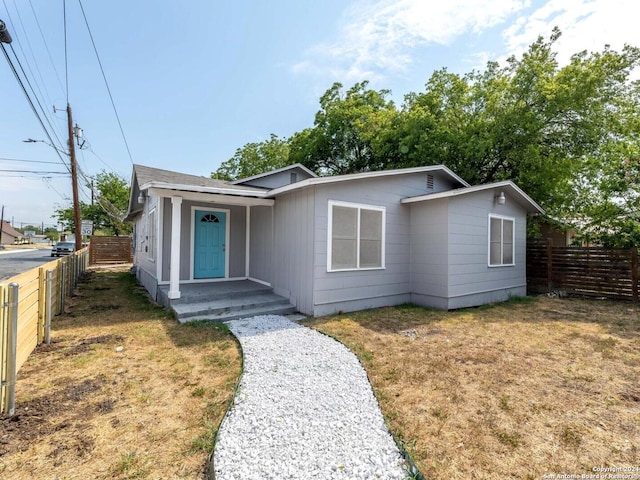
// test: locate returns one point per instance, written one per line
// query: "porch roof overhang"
(209, 195)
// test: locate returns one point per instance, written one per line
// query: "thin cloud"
(585, 25)
(377, 39)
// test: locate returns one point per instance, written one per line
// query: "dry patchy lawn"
(517, 390)
(86, 410)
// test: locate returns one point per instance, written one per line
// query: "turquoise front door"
(209, 247)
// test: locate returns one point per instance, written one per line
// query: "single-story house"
(330, 244)
(9, 234)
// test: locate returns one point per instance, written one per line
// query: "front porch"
(223, 301)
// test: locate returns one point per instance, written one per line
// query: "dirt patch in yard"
(518, 390)
(123, 391)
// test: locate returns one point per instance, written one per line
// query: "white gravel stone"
(304, 410)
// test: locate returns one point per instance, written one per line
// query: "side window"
(356, 237)
(501, 241)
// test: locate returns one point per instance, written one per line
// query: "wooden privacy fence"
(27, 303)
(110, 250)
(588, 271)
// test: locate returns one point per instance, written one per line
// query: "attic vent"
(294, 177)
(429, 181)
(210, 218)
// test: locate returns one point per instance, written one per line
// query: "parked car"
(63, 248)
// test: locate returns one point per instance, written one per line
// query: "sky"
(194, 81)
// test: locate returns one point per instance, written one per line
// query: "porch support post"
(174, 276)
(247, 242)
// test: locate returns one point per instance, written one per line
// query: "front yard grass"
(123, 391)
(516, 390)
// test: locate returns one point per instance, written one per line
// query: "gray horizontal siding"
(483, 298)
(142, 242)
(351, 290)
(429, 252)
(469, 273)
(260, 245)
(293, 249)
(361, 304)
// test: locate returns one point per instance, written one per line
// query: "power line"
(33, 108)
(33, 171)
(19, 42)
(35, 61)
(47, 180)
(46, 46)
(105, 80)
(98, 156)
(34, 176)
(26, 161)
(36, 96)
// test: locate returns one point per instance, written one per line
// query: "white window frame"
(359, 207)
(502, 218)
(152, 227)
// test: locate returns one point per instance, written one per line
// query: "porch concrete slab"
(190, 292)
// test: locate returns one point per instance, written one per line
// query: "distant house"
(329, 244)
(9, 234)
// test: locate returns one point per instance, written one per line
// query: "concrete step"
(245, 313)
(220, 309)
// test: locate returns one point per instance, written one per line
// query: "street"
(19, 261)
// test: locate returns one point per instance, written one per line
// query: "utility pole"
(5, 37)
(74, 182)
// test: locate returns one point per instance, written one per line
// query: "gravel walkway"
(304, 410)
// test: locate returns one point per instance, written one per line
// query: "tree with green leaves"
(52, 234)
(255, 158)
(344, 129)
(110, 206)
(568, 135)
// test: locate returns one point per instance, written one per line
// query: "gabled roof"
(144, 178)
(148, 175)
(364, 175)
(295, 166)
(7, 229)
(511, 188)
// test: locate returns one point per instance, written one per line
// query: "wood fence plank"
(31, 307)
(41, 303)
(3, 348)
(104, 250)
(592, 271)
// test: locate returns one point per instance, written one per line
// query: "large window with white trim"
(356, 237)
(501, 241)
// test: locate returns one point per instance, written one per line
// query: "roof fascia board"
(477, 188)
(134, 180)
(273, 172)
(211, 197)
(365, 175)
(192, 188)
